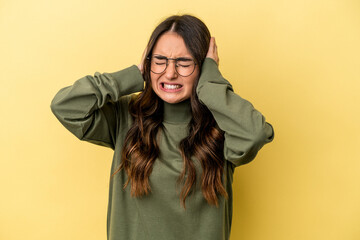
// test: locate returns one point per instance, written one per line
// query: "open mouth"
(170, 87)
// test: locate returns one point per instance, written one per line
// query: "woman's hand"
(212, 52)
(141, 65)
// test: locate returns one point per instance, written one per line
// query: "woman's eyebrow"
(160, 56)
(184, 59)
(180, 58)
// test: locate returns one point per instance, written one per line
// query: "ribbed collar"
(177, 112)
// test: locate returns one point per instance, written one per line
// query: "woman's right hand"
(212, 52)
(141, 65)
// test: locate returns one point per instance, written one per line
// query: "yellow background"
(298, 62)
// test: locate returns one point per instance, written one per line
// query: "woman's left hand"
(212, 52)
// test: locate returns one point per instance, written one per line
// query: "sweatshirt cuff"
(128, 80)
(210, 68)
(210, 73)
(269, 132)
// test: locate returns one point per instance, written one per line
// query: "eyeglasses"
(183, 66)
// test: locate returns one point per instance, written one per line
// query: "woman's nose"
(171, 71)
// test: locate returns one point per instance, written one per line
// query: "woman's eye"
(159, 63)
(184, 64)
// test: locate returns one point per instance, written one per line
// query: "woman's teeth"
(171, 86)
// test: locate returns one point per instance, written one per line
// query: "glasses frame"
(167, 63)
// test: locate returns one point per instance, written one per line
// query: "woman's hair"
(205, 140)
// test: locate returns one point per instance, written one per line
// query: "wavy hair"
(205, 141)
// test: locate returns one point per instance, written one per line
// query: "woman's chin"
(172, 99)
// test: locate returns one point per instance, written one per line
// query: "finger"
(215, 48)
(212, 43)
(144, 54)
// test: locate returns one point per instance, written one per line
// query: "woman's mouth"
(170, 87)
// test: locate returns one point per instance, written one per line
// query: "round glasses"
(183, 66)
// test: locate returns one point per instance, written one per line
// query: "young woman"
(176, 143)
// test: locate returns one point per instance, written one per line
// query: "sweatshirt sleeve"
(90, 107)
(245, 128)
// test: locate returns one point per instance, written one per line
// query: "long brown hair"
(205, 140)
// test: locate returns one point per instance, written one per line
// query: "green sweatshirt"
(95, 109)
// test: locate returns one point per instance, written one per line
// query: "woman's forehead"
(172, 45)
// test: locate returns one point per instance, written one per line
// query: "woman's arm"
(90, 107)
(246, 130)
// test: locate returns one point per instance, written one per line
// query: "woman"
(175, 144)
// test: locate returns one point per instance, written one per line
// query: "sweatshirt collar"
(177, 112)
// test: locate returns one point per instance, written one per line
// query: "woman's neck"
(177, 112)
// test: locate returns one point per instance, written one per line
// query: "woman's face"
(169, 85)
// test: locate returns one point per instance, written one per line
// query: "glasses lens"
(158, 65)
(185, 67)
